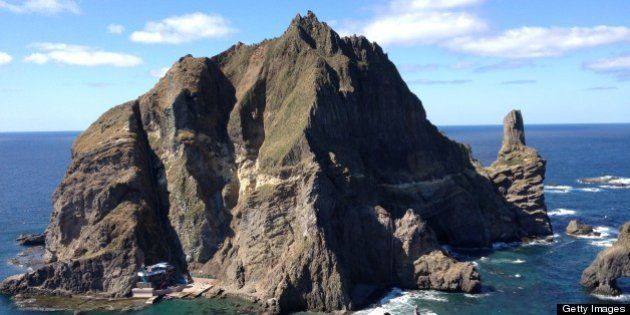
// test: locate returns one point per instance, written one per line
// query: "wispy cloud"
(158, 73)
(601, 88)
(418, 22)
(438, 82)
(115, 29)
(618, 66)
(505, 65)
(184, 29)
(41, 6)
(538, 42)
(518, 82)
(420, 67)
(80, 56)
(5, 58)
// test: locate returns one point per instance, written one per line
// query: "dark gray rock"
(31, 239)
(611, 264)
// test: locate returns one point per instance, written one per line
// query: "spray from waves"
(604, 243)
(607, 181)
(558, 189)
(560, 212)
(603, 232)
(398, 301)
(590, 189)
(619, 298)
(564, 189)
(605, 238)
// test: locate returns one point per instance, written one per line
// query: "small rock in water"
(577, 228)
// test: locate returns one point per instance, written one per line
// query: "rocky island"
(300, 171)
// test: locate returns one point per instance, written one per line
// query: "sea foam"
(560, 212)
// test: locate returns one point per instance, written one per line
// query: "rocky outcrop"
(611, 264)
(300, 170)
(31, 239)
(519, 172)
(577, 228)
(438, 271)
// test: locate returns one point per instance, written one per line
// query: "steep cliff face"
(300, 169)
(519, 172)
(611, 264)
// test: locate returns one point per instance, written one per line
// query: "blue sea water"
(528, 279)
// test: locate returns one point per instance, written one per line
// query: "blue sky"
(64, 62)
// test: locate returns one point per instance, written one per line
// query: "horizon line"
(437, 125)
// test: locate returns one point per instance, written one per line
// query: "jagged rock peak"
(518, 173)
(513, 131)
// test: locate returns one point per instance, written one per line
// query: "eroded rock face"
(300, 169)
(519, 172)
(611, 264)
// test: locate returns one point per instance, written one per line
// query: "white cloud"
(158, 73)
(183, 29)
(609, 64)
(80, 56)
(115, 29)
(5, 58)
(432, 4)
(538, 42)
(617, 66)
(419, 22)
(42, 6)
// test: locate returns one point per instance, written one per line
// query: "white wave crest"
(604, 243)
(476, 296)
(607, 181)
(621, 297)
(560, 212)
(590, 189)
(611, 187)
(558, 189)
(398, 301)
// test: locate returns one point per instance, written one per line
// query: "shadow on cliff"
(154, 253)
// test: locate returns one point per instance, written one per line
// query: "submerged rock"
(300, 170)
(608, 180)
(611, 264)
(577, 228)
(519, 173)
(31, 239)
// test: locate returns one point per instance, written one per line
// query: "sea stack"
(300, 170)
(611, 264)
(519, 172)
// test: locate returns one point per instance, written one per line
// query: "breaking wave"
(621, 298)
(607, 181)
(560, 212)
(557, 189)
(398, 301)
(564, 189)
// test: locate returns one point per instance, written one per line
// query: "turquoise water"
(517, 280)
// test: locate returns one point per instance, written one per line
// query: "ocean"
(528, 279)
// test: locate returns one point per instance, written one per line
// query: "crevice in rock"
(161, 205)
